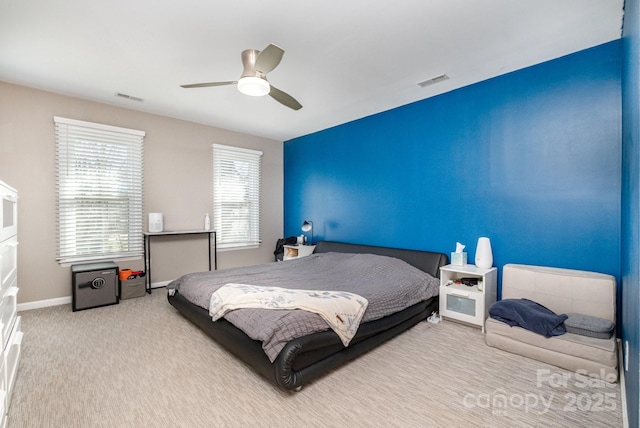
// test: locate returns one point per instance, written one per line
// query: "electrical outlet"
(626, 355)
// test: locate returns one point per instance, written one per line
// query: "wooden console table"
(147, 249)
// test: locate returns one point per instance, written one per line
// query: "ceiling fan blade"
(204, 85)
(284, 98)
(268, 59)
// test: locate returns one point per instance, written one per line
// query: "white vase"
(484, 255)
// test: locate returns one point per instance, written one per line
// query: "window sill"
(244, 247)
(98, 260)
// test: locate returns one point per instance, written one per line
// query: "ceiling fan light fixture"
(254, 86)
(253, 80)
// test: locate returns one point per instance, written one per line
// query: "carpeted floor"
(140, 364)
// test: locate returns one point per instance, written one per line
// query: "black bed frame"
(308, 357)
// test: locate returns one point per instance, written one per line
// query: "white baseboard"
(160, 284)
(44, 303)
(65, 300)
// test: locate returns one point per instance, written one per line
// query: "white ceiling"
(344, 59)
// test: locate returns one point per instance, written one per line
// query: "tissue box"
(459, 259)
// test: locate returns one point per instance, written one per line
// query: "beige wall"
(178, 183)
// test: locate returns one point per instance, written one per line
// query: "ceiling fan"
(253, 80)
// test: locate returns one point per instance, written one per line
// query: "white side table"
(461, 302)
(297, 251)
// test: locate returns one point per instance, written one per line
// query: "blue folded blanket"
(529, 315)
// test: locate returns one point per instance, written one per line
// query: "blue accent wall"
(631, 204)
(531, 159)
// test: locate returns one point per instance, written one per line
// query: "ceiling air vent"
(129, 97)
(433, 80)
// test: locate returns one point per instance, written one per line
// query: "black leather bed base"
(308, 357)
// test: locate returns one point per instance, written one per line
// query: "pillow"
(529, 315)
(586, 325)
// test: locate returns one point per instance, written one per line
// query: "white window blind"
(99, 180)
(236, 196)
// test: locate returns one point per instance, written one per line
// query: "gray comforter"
(390, 285)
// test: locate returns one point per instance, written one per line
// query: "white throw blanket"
(343, 311)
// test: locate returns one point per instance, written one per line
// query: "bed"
(297, 360)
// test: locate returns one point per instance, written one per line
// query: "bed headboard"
(426, 261)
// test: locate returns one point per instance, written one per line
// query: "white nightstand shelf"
(469, 304)
(297, 251)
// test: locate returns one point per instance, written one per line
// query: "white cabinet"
(297, 251)
(8, 263)
(467, 292)
(11, 359)
(10, 328)
(8, 211)
(3, 394)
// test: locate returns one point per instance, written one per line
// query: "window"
(99, 178)
(236, 196)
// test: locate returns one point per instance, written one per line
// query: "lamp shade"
(254, 86)
(307, 226)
